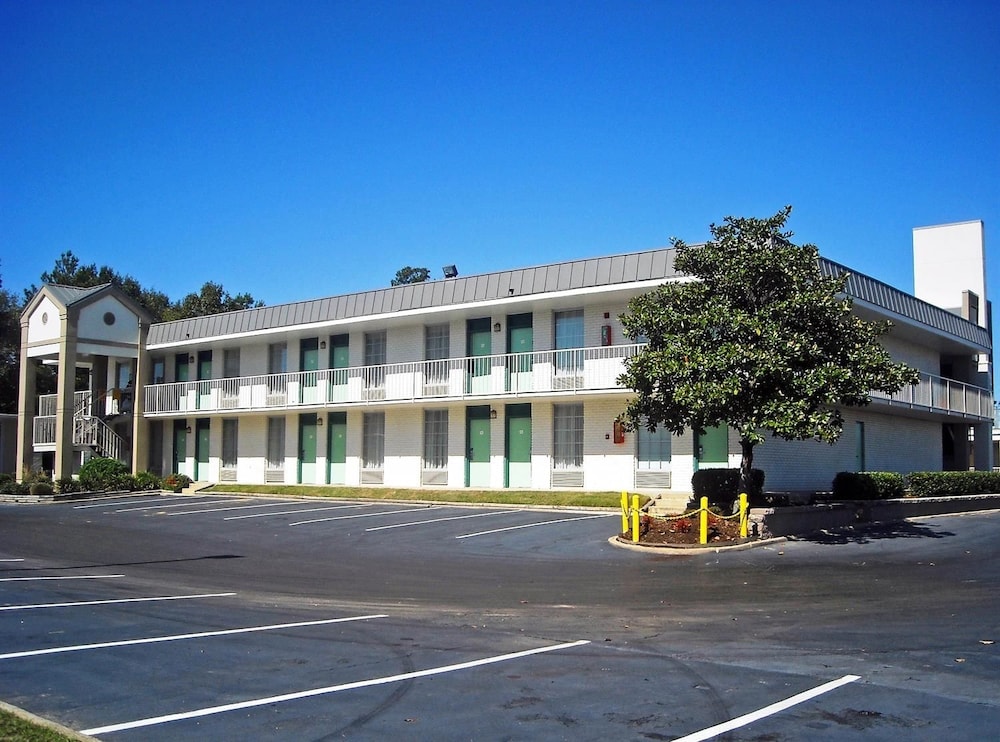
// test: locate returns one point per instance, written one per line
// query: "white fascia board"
(639, 287)
(43, 350)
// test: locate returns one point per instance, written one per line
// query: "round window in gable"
(109, 318)
(45, 318)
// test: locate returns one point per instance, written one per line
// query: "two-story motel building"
(500, 380)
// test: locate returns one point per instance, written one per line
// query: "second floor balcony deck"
(504, 375)
(539, 373)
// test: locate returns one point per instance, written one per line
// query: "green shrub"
(721, 486)
(6, 479)
(868, 485)
(105, 474)
(68, 484)
(40, 488)
(176, 482)
(13, 487)
(948, 483)
(146, 480)
(30, 476)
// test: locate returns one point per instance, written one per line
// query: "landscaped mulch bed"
(685, 531)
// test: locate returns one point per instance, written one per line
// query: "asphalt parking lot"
(166, 617)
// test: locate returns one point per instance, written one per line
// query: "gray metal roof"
(68, 295)
(650, 265)
(872, 291)
(576, 274)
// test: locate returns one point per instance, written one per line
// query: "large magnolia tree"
(758, 340)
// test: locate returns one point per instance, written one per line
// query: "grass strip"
(472, 497)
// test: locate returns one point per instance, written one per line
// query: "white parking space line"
(12, 560)
(300, 510)
(180, 637)
(774, 708)
(61, 577)
(441, 520)
(108, 503)
(110, 602)
(232, 507)
(543, 523)
(176, 505)
(363, 515)
(152, 721)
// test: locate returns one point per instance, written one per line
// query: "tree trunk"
(746, 467)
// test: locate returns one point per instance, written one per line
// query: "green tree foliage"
(212, 299)
(68, 271)
(10, 348)
(410, 275)
(760, 341)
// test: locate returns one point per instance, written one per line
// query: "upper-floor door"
(520, 343)
(478, 348)
(308, 368)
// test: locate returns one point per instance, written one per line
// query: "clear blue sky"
(302, 149)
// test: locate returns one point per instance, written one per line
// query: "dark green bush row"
(883, 485)
(868, 485)
(944, 483)
(721, 486)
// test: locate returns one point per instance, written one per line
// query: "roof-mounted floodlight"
(450, 271)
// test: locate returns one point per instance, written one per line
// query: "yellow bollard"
(703, 536)
(635, 519)
(624, 512)
(744, 520)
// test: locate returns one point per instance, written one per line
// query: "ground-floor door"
(201, 449)
(179, 458)
(477, 439)
(517, 445)
(336, 443)
(307, 448)
(712, 448)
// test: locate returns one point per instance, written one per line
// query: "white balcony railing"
(938, 394)
(512, 374)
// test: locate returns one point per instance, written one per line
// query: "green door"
(308, 365)
(336, 444)
(340, 359)
(201, 448)
(520, 340)
(477, 438)
(307, 449)
(204, 375)
(179, 459)
(181, 367)
(712, 448)
(478, 348)
(517, 444)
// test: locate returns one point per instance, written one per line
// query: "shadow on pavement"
(863, 534)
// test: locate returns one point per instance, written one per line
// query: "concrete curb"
(675, 550)
(38, 720)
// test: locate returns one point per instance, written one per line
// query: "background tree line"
(212, 298)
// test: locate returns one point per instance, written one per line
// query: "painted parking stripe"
(152, 721)
(12, 560)
(774, 708)
(362, 515)
(441, 520)
(176, 505)
(532, 525)
(180, 637)
(110, 602)
(300, 510)
(105, 502)
(232, 507)
(62, 577)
